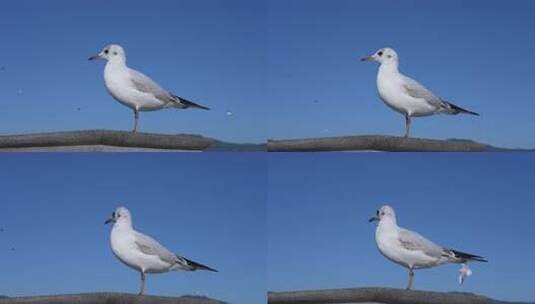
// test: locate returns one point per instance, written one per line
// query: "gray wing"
(149, 246)
(144, 84)
(411, 240)
(416, 90)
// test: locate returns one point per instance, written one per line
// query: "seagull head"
(384, 55)
(110, 53)
(383, 213)
(120, 215)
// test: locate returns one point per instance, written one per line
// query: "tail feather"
(465, 257)
(197, 266)
(454, 109)
(184, 103)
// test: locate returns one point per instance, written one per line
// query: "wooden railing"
(374, 143)
(108, 298)
(373, 295)
(89, 139)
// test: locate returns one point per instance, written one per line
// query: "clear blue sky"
(473, 53)
(283, 68)
(211, 52)
(210, 208)
(319, 206)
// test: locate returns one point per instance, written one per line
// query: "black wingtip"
(190, 104)
(468, 256)
(472, 113)
(458, 110)
(199, 266)
(204, 267)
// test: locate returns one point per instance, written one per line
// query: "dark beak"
(369, 58)
(110, 220)
(373, 219)
(94, 57)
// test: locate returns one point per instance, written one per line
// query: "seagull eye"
(114, 53)
(106, 52)
(380, 53)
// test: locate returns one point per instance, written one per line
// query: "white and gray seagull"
(413, 251)
(405, 95)
(134, 89)
(143, 253)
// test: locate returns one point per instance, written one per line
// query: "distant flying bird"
(405, 95)
(135, 90)
(143, 253)
(411, 250)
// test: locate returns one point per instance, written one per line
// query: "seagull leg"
(411, 276)
(142, 283)
(136, 117)
(407, 125)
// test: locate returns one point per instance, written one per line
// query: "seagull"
(405, 95)
(413, 251)
(134, 89)
(143, 253)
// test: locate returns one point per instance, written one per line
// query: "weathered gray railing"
(373, 295)
(374, 143)
(108, 298)
(88, 140)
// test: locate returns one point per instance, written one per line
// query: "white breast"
(390, 247)
(386, 241)
(119, 85)
(125, 249)
(394, 95)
